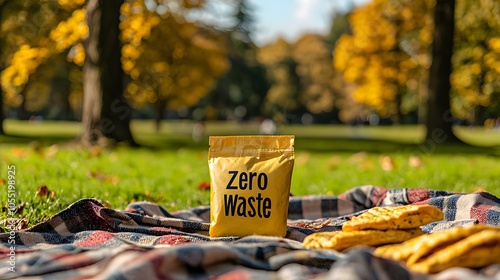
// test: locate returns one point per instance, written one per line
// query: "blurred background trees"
(240, 91)
(476, 61)
(372, 67)
(388, 58)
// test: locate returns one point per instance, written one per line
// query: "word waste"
(250, 206)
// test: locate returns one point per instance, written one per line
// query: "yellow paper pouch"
(249, 184)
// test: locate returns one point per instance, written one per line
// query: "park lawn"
(171, 173)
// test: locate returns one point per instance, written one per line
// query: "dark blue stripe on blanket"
(438, 202)
(451, 208)
(295, 209)
(329, 207)
(493, 217)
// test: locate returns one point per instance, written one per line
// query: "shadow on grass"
(336, 144)
(302, 143)
(388, 146)
(24, 139)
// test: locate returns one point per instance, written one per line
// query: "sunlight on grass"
(171, 178)
(326, 163)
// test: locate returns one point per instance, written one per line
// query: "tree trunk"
(66, 111)
(22, 113)
(159, 111)
(439, 119)
(105, 112)
(92, 91)
(399, 118)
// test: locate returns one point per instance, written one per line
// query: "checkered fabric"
(144, 241)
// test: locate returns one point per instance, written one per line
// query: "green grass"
(329, 160)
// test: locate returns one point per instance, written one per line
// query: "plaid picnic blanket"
(144, 241)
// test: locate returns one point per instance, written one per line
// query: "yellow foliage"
(77, 54)
(425, 35)
(70, 31)
(274, 53)
(343, 54)
(312, 56)
(23, 63)
(130, 51)
(137, 22)
(494, 44)
(181, 63)
(70, 4)
(168, 58)
(477, 59)
(373, 58)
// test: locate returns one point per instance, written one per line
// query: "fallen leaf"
(358, 157)
(17, 209)
(204, 186)
(387, 163)
(415, 162)
(37, 148)
(13, 224)
(19, 152)
(2, 182)
(43, 192)
(366, 165)
(113, 179)
(95, 151)
(102, 177)
(52, 150)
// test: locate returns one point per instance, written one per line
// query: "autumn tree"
(177, 61)
(439, 122)
(349, 111)
(112, 119)
(386, 51)
(106, 113)
(36, 36)
(302, 78)
(283, 99)
(313, 57)
(475, 45)
(339, 26)
(475, 79)
(23, 24)
(240, 92)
